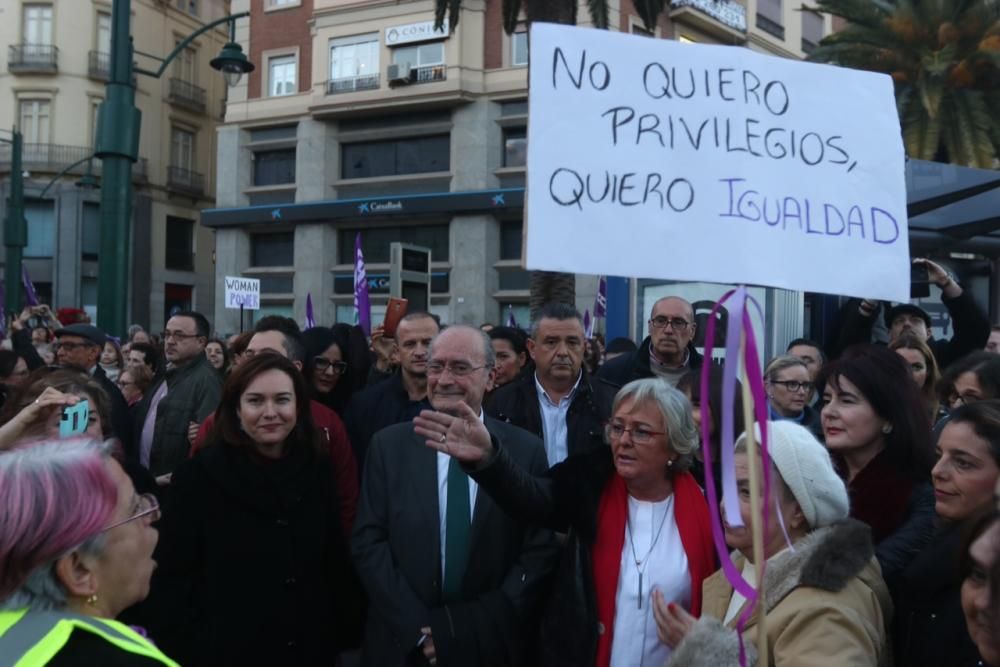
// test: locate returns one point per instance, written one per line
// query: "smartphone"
(394, 312)
(920, 283)
(74, 419)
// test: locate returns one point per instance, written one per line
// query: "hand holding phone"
(394, 312)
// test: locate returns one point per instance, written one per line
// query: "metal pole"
(118, 147)
(15, 229)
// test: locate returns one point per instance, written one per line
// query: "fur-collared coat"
(826, 605)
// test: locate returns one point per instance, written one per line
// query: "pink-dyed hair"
(55, 496)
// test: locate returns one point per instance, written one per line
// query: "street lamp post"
(15, 228)
(119, 122)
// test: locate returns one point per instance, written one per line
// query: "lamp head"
(232, 62)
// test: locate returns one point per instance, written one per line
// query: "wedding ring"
(444, 436)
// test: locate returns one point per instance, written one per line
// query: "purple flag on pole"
(310, 320)
(362, 306)
(588, 325)
(29, 290)
(601, 302)
(511, 320)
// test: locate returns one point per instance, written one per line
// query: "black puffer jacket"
(517, 404)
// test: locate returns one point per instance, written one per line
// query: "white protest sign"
(242, 293)
(657, 159)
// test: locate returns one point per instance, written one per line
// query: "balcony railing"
(727, 12)
(429, 74)
(53, 158)
(770, 27)
(187, 95)
(351, 84)
(99, 66)
(186, 182)
(35, 58)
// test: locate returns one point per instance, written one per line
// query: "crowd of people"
(458, 495)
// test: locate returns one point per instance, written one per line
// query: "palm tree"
(550, 286)
(944, 59)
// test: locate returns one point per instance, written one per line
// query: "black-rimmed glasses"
(322, 364)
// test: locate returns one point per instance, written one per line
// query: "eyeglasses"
(122, 385)
(148, 507)
(640, 436)
(456, 368)
(321, 364)
(958, 400)
(178, 335)
(794, 385)
(676, 322)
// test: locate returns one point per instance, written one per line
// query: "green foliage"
(944, 59)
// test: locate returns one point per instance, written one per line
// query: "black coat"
(121, 414)
(970, 324)
(566, 501)
(253, 565)
(929, 625)
(623, 369)
(397, 550)
(517, 404)
(376, 407)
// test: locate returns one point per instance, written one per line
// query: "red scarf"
(691, 516)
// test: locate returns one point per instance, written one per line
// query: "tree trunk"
(549, 286)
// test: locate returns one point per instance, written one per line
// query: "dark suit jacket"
(396, 547)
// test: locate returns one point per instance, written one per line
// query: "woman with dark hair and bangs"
(336, 364)
(254, 566)
(878, 432)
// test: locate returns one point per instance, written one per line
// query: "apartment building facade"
(53, 71)
(361, 117)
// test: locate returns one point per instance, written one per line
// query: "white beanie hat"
(805, 466)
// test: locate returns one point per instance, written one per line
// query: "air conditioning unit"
(398, 74)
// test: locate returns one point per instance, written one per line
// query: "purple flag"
(310, 320)
(511, 321)
(588, 325)
(362, 306)
(601, 302)
(29, 290)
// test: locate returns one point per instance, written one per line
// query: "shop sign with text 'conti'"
(414, 32)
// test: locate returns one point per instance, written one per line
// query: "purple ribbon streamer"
(601, 301)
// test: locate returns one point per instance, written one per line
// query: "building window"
(281, 76)
(278, 4)
(38, 25)
(812, 30)
(515, 146)
(41, 229)
(684, 39)
(420, 55)
(184, 65)
(272, 249)
(104, 33)
(769, 18)
(90, 244)
(276, 167)
(375, 242)
(176, 298)
(416, 155)
(354, 58)
(179, 251)
(519, 48)
(34, 121)
(191, 6)
(182, 148)
(510, 239)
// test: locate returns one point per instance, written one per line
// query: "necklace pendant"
(640, 590)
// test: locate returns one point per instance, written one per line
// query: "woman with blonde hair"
(923, 368)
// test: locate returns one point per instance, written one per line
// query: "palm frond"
(598, 13)
(511, 10)
(857, 12)
(649, 11)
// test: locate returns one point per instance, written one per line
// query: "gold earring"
(92, 600)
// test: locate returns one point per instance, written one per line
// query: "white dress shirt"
(443, 460)
(554, 428)
(635, 643)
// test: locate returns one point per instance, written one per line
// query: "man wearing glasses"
(188, 391)
(451, 578)
(667, 352)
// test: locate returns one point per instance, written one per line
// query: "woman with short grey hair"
(76, 550)
(635, 519)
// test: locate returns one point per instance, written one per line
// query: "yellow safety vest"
(32, 639)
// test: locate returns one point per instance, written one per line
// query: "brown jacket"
(826, 605)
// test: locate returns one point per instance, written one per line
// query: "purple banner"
(310, 320)
(362, 306)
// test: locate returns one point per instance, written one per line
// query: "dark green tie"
(458, 530)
